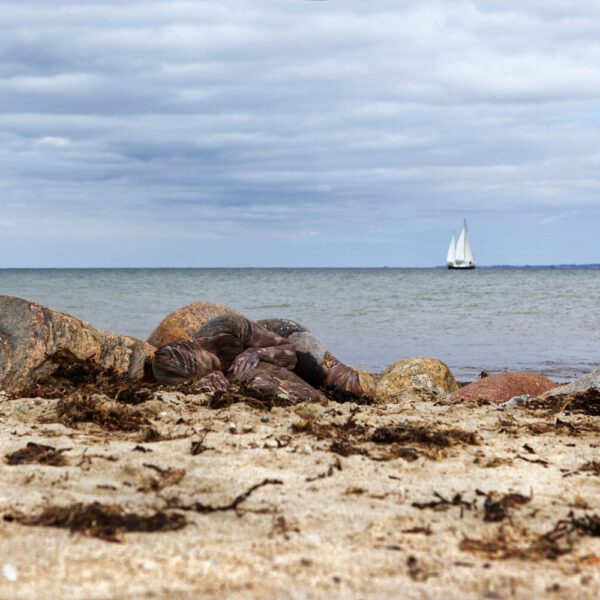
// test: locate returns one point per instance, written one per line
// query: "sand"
(327, 524)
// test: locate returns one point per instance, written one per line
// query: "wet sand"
(419, 500)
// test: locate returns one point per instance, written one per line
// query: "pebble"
(10, 572)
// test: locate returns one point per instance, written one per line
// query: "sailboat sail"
(460, 247)
(460, 254)
(451, 256)
(467, 250)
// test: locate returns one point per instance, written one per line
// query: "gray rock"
(586, 382)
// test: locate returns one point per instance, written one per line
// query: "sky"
(298, 133)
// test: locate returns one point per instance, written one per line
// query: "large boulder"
(415, 378)
(503, 386)
(182, 324)
(35, 341)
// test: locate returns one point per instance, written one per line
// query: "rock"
(584, 383)
(415, 378)
(182, 324)
(35, 341)
(502, 387)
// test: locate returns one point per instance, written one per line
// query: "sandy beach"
(419, 499)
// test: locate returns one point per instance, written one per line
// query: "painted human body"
(234, 345)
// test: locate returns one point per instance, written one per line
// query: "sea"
(544, 319)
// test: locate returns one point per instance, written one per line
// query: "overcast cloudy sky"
(298, 133)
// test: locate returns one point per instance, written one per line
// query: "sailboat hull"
(461, 267)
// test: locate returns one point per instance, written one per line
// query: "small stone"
(307, 449)
(232, 427)
(10, 572)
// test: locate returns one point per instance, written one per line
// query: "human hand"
(244, 363)
(213, 382)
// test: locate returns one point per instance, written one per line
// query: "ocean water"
(541, 319)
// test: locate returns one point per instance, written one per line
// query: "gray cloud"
(369, 128)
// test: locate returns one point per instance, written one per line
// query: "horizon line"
(495, 266)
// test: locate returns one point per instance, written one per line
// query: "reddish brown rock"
(35, 341)
(182, 324)
(503, 386)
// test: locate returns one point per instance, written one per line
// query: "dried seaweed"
(407, 433)
(559, 540)
(336, 465)
(592, 467)
(164, 478)
(497, 508)
(343, 396)
(443, 504)
(224, 399)
(233, 505)
(346, 448)
(536, 461)
(106, 522)
(587, 402)
(97, 409)
(37, 454)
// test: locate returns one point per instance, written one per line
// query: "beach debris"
(37, 343)
(497, 507)
(200, 507)
(592, 467)
(417, 570)
(336, 465)
(559, 540)
(39, 454)
(442, 504)
(163, 478)
(538, 461)
(587, 402)
(415, 378)
(103, 521)
(410, 433)
(139, 448)
(198, 447)
(101, 410)
(501, 387)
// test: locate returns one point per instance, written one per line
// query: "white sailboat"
(460, 255)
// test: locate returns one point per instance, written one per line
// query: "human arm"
(266, 346)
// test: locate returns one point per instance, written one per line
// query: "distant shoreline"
(438, 267)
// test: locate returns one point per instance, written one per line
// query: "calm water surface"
(543, 319)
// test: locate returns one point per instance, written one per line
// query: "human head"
(182, 361)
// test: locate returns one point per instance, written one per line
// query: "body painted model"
(235, 345)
